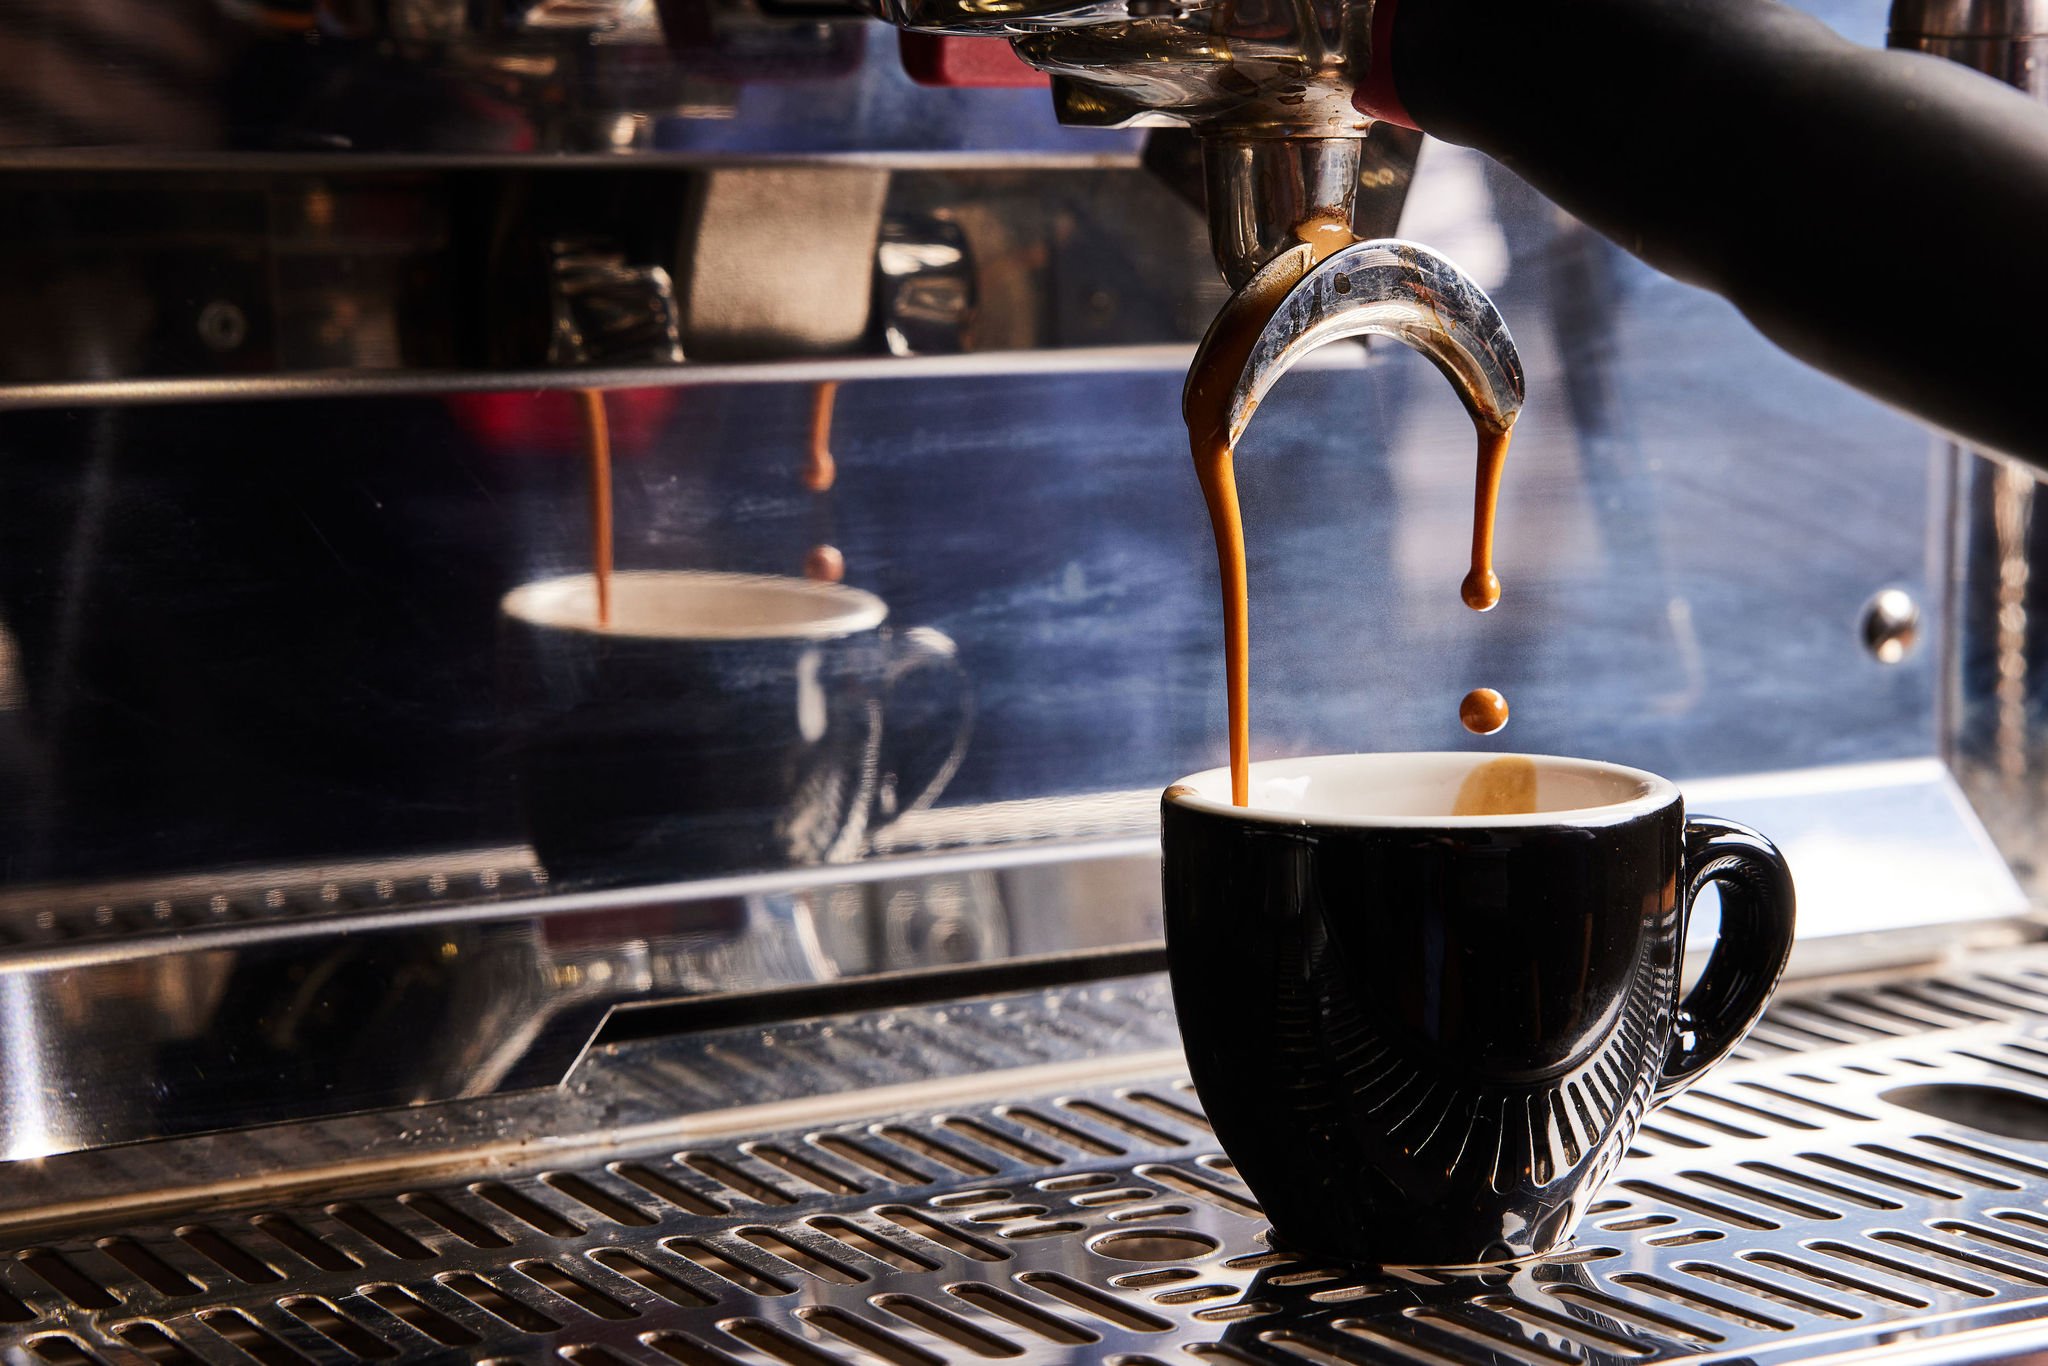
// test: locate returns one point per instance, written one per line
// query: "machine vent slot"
(876, 1341)
(153, 1342)
(526, 1210)
(1174, 1179)
(663, 1188)
(1758, 1288)
(988, 1136)
(379, 1231)
(1326, 1353)
(1116, 1119)
(797, 1255)
(643, 1273)
(344, 1332)
(1969, 1261)
(944, 1323)
(1635, 1315)
(945, 1235)
(871, 1244)
(771, 1341)
(728, 1268)
(295, 1238)
(415, 1313)
(686, 1349)
(1472, 1327)
(1093, 1302)
(150, 1268)
(436, 1210)
(1071, 1135)
(943, 1154)
(1905, 1184)
(733, 1179)
(250, 1337)
(589, 1354)
(57, 1271)
(61, 1349)
(496, 1301)
(1021, 1313)
(1584, 1334)
(894, 1172)
(1832, 1279)
(602, 1202)
(585, 1297)
(811, 1173)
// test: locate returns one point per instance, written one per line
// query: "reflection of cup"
(720, 723)
(1426, 1038)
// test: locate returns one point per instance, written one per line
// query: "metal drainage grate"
(1802, 1020)
(1876, 1193)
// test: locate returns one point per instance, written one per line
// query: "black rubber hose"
(1881, 215)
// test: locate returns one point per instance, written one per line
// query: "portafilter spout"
(1386, 288)
(1261, 189)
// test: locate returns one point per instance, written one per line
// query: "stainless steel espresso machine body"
(326, 1034)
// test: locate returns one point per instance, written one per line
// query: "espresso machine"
(330, 1033)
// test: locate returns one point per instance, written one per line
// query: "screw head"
(1891, 625)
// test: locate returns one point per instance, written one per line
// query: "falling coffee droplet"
(1483, 711)
(825, 564)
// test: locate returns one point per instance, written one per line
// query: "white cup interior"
(691, 604)
(1422, 790)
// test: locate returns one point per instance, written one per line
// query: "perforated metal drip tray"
(1870, 1179)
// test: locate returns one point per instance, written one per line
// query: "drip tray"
(1868, 1180)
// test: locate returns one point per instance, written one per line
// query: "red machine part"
(982, 63)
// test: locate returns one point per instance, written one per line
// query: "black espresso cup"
(720, 723)
(1426, 1038)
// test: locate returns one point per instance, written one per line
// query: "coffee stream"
(597, 444)
(821, 470)
(824, 562)
(1207, 410)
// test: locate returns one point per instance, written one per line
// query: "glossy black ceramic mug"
(1426, 1038)
(720, 722)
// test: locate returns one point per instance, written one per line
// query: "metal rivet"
(1891, 625)
(222, 326)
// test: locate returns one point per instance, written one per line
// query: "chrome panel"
(157, 286)
(166, 82)
(131, 1011)
(1682, 594)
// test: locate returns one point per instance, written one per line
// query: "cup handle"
(1749, 954)
(919, 650)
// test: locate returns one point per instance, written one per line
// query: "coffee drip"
(1483, 711)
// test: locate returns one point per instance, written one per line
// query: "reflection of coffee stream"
(1207, 411)
(820, 471)
(597, 443)
(824, 562)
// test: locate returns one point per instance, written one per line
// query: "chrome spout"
(1386, 288)
(1261, 189)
